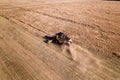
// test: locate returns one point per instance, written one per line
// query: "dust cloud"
(84, 59)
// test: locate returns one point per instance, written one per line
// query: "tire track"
(32, 26)
(94, 26)
(25, 24)
(97, 27)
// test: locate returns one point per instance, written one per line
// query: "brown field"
(94, 27)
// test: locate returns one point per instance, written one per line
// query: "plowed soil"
(94, 27)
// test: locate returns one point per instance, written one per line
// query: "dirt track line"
(32, 26)
(75, 22)
(97, 27)
(94, 26)
(26, 24)
(5, 17)
(6, 70)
